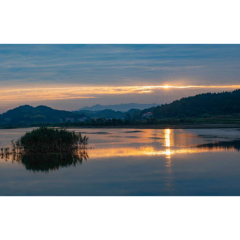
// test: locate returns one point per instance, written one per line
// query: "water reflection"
(149, 151)
(157, 162)
(48, 161)
(167, 137)
(223, 145)
(166, 143)
(169, 180)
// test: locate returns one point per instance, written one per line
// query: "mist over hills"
(123, 107)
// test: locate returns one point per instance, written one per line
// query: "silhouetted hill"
(41, 114)
(108, 113)
(202, 105)
(207, 108)
(120, 107)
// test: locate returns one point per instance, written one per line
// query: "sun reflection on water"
(166, 143)
(167, 133)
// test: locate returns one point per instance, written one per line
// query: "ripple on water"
(132, 131)
(96, 133)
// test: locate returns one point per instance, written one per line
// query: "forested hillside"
(202, 105)
(203, 108)
(41, 114)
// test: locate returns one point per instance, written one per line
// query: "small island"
(50, 140)
(45, 149)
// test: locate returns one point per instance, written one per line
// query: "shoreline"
(189, 126)
(200, 126)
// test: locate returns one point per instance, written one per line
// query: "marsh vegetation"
(50, 140)
(45, 149)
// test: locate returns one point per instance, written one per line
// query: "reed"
(6, 151)
(46, 149)
(50, 140)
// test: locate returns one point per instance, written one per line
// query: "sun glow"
(78, 91)
(166, 87)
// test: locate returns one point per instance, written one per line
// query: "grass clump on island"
(50, 140)
(46, 149)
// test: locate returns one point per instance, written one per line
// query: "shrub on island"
(45, 149)
(50, 140)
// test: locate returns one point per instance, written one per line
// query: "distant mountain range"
(199, 106)
(123, 107)
(25, 115)
(42, 114)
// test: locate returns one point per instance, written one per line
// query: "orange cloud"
(57, 93)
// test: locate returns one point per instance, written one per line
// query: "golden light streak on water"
(167, 133)
(166, 143)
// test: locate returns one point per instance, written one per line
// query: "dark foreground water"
(134, 162)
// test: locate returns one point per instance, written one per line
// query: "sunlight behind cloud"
(57, 93)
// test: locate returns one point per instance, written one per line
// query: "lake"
(134, 162)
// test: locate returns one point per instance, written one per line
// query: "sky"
(70, 76)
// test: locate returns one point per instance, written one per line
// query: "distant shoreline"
(200, 126)
(189, 126)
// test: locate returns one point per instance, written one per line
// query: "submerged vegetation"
(45, 149)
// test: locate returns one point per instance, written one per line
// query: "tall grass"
(45, 149)
(50, 140)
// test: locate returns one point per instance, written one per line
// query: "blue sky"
(51, 67)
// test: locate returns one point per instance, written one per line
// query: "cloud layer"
(123, 73)
(40, 94)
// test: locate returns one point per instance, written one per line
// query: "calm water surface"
(135, 162)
